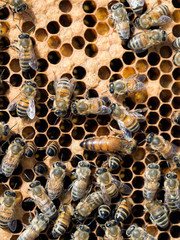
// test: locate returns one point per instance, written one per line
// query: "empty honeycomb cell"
(15, 80)
(176, 16)
(90, 125)
(152, 129)
(4, 13)
(54, 57)
(65, 20)
(29, 74)
(4, 102)
(52, 118)
(137, 196)
(164, 124)
(139, 137)
(90, 35)
(92, 93)
(89, 155)
(165, 110)
(165, 81)
(4, 73)
(166, 136)
(4, 58)
(176, 142)
(15, 182)
(65, 140)
(102, 131)
(53, 133)
(89, 6)
(174, 217)
(19, 227)
(176, 88)
(50, 88)
(142, 54)
(41, 80)
(126, 175)
(116, 65)
(128, 58)
(100, 160)
(104, 73)
(165, 95)
(138, 211)
(78, 120)
(80, 88)
(153, 58)
(91, 50)
(28, 27)
(139, 154)
(65, 6)
(176, 74)
(4, 88)
(41, 125)
(43, 95)
(28, 132)
(166, 66)
(166, 52)
(53, 27)
(175, 231)
(78, 133)
(175, 131)
(138, 182)
(103, 120)
(28, 175)
(65, 154)
(40, 155)
(42, 65)
(90, 20)
(78, 42)
(40, 140)
(75, 159)
(41, 110)
(102, 28)
(138, 168)
(153, 117)
(66, 50)
(54, 42)
(4, 43)
(65, 125)
(101, 14)
(153, 73)
(163, 236)
(41, 34)
(14, 65)
(176, 30)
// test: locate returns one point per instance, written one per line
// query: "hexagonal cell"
(43, 95)
(28, 27)
(166, 66)
(165, 110)
(176, 30)
(176, 74)
(138, 182)
(102, 28)
(42, 65)
(90, 20)
(90, 35)
(152, 129)
(128, 71)
(78, 133)
(4, 102)
(104, 72)
(176, 131)
(164, 124)
(53, 133)
(54, 42)
(41, 34)
(175, 231)
(78, 42)
(163, 236)
(165, 81)
(116, 65)
(4, 13)
(103, 131)
(174, 217)
(176, 88)
(65, 125)
(138, 168)
(40, 140)
(101, 14)
(14, 65)
(165, 95)
(41, 80)
(15, 80)
(153, 58)
(41, 110)
(138, 211)
(65, 20)
(166, 52)
(65, 154)
(28, 132)
(66, 50)
(91, 50)
(89, 6)
(137, 196)
(153, 117)
(142, 65)
(4, 58)
(90, 125)
(176, 16)
(65, 6)
(54, 57)
(53, 27)
(15, 182)
(28, 175)
(79, 72)
(153, 73)
(126, 175)
(128, 58)
(4, 43)
(65, 140)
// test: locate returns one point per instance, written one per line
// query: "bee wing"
(33, 62)
(134, 3)
(126, 133)
(124, 188)
(106, 197)
(140, 78)
(12, 107)
(162, 20)
(31, 111)
(105, 110)
(140, 86)
(136, 114)
(12, 225)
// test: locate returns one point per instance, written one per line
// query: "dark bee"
(4, 131)
(30, 149)
(40, 168)
(53, 149)
(114, 161)
(123, 209)
(104, 211)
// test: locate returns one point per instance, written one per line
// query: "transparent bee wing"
(12, 225)
(31, 111)
(33, 62)
(106, 197)
(141, 78)
(126, 133)
(136, 113)
(120, 30)
(12, 107)
(105, 110)
(135, 3)
(140, 86)
(125, 189)
(162, 20)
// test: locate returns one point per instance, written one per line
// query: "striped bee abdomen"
(22, 107)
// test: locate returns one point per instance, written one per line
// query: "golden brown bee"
(112, 231)
(79, 186)
(123, 209)
(16, 6)
(63, 221)
(53, 149)
(91, 106)
(157, 16)
(136, 5)
(158, 213)
(176, 117)
(172, 191)
(42, 200)
(104, 211)
(110, 186)
(30, 149)
(149, 38)
(176, 159)
(7, 209)
(64, 89)
(176, 58)
(12, 157)
(85, 207)
(82, 233)
(26, 104)
(138, 233)
(121, 20)
(40, 168)
(55, 181)
(4, 131)
(38, 224)
(127, 121)
(109, 144)
(123, 86)
(151, 184)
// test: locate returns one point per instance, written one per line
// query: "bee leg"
(14, 47)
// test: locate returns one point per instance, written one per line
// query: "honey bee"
(16, 6)
(38, 224)
(162, 146)
(79, 186)
(12, 157)
(104, 211)
(64, 89)
(53, 149)
(176, 117)
(157, 16)
(152, 176)
(123, 209)
(4, 131)
(40, 168)
(127, 121)
(7, 208)
(176, 58)
(132, 84)
(26, 104)
(82, 233)
(55, 183)
(114, 161)
(63, 221)
(176, 159)
(144, 40)
(42, 200)
(176, 43)
(136, 5)
(121, 20)
(138, 233)
(158, 213)
(110, 186)
(109, 144)
(85, 207)
(30, 149)
(90, 106)
(172, 191)
(112, 231)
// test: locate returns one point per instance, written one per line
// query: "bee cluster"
(83, 146)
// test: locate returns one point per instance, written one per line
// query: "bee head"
(78, 215)
(116, 110)
(171, 175)
(6, 130)
(84, 228)
(120, 86)
(9, 200)
(149, 137)
(117, 7)
(177, 161)
(100, 171)
(10, 193)
(34, 184)
(22, 8)
(111, 223)
(59, 164)
(164, 36)
(130, 230)
(83, 164)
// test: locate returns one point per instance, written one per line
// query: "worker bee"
(26, 104)
(30, 149)
(12, 157)
(40, 168)
(127, 121)
(176, 117)
(144, 40)
(53, 149)
(176, 159)
(114, 161)
(162, 146)
(38, 224)
(121, 20)
(4, 131)
(152, 176)
(85, 207)
(176, 58)
(136, 6)
(7, 208)
(109, 144)
(42, 200)
(158, 213)
(176, 43)
(82, 175)
(63, 221)
(138, 233)
(55, 183)
(132, 84)
(81, 233)
(112, 231)
(16, 6)
(104, 211)
(64, 89)
(90, 106)
(157, 16)
(123, 209)
(172, 191)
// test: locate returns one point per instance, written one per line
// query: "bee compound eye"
(7, 193)
(22, 144)
(175, 176)
(34, 85)
(17, 140)
(13, 194)
(168, 175)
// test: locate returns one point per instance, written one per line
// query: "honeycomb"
(76, 39)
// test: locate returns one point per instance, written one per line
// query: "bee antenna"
(91, 221)
(148, 160)
(28, 136)
(13, 126)
(19, 28)
(31, 28)
(2, 73)
(56, 120)
(78, 157)
(142, 141)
